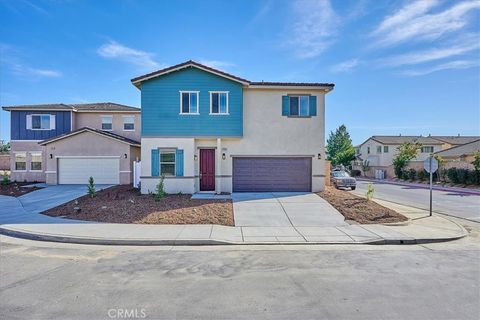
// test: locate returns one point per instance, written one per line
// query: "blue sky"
(409, 67)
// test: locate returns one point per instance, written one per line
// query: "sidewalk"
(422, 186)
(420, 229)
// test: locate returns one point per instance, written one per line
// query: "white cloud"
(345, 66)
(26, 71)
(457, 64)
(314, 27)
(217, 64)
(115, 50)
(467, 44)
(414, 22)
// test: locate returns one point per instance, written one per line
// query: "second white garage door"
(104, 170)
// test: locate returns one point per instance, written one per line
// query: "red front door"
(207, 169)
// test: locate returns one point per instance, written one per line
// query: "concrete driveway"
(26, 208)
(284, 209)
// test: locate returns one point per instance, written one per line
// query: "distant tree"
(406, 152)
(91, 188)
(476, 162)
(4, 147)
(365, 166)
(339, 147)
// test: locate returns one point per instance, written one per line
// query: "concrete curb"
(37, 236)
(423, 186)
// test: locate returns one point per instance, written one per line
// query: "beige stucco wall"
(265, 133)
(89, 144)
(94, 120)
(27, 147)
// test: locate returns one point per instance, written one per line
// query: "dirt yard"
(359, 209)
(124, 204)
(15, 189)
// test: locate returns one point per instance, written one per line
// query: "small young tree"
(91, 188)
(160, 191)
(5, 179)
(441, 164)
(339, 147)
(476, 162)
(370, 191)
(406, 152)
(365, 167)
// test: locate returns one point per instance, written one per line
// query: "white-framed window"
(379, 149)
(40, 122)
(107, 123)
(167, 162)
(20, 161)
(36, 162)
(368, 150)
(189, 102)
(427, 149)
(300, 106)
(128, 123)
(385, 149)
(219, 102)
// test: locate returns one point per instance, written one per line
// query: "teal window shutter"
(313, 105)
(179, 163)
(155, 162)
(285, 105)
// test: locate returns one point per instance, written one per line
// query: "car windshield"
(337, 174)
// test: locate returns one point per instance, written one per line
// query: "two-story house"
(68, 143)
(205, 130)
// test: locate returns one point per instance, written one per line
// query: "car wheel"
(353, 188)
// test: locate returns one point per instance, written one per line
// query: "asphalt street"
(41, 280)
(451, 203)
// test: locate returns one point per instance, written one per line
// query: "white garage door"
(104, 170)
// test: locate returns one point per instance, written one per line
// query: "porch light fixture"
(319, 156)
(51, 156)
(223, 156)
(125, 155)
(195, 157)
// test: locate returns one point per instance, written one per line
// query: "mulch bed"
(14, 189)
(124, 204)
(360, 209)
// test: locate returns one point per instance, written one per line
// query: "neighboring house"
(379, 151)
(68, 143)
(207, 130)
(460, 156)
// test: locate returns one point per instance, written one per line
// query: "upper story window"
(189, 102)
(36, 162)
(299, 106)
(218, 102)
(368, 150)
(107, 123)
(40, 122)
(385, 149)
(20, 161)
(129, 123)
(379, 149)
(427, 149)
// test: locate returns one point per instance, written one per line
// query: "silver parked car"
(341, 179)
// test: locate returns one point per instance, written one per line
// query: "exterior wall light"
(125, 155)
(51, 156)
(195, 157)
(223, 156)
(319, 156)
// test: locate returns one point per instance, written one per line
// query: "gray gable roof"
(403, 139)
(457, 140)
(88, 129)
(461, 150)
(82, 107)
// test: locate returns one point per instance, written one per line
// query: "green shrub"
(411, 174)
(452, 175)
(422, 175)
(5, 179)
(472, 177)
(462, 175)
(370, 191)
(91, 188)
(160, 191)
(355, 173)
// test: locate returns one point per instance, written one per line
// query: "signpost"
(431, 165)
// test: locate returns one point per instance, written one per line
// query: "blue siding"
(19, 131)
(161, 106)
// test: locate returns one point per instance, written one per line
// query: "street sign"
(430, 164)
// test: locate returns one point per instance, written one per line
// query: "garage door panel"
(77, 170)
(271, 174)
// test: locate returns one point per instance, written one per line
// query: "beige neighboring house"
(460, 156)
(380, 151)
(68, 143)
